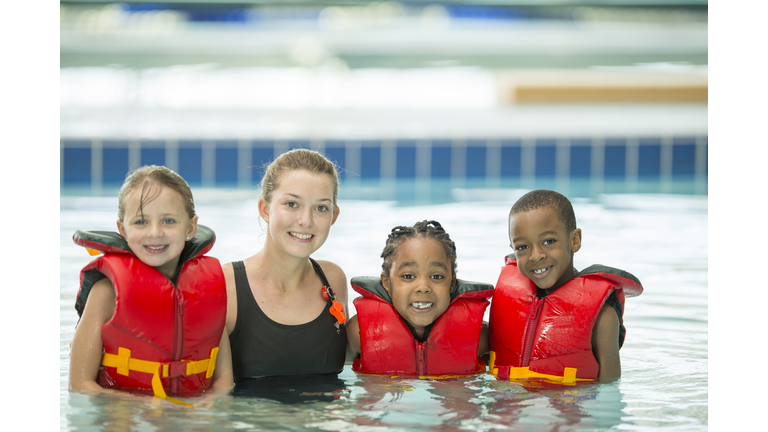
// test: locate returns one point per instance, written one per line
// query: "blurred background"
(418, 102)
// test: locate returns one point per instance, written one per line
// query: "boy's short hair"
(547, 198)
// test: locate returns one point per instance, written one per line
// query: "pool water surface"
(664, 382)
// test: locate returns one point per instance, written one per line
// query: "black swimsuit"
(261, 346)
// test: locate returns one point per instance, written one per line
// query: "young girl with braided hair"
(417, 318)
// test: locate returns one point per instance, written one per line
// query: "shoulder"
(335, 276)
(332, 272)
(101, 300)
(607, 322)
(229, 274)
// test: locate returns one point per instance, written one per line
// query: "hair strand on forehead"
(151, 179)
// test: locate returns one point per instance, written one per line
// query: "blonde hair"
(298, 159)
(153, 175)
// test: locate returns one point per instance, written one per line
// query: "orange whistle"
(337, 310)
(93, 252)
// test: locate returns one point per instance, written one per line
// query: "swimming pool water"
(661, 239)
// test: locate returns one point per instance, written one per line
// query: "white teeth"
(302, 236)
(540, 271)
(156, 247)
(421, 305)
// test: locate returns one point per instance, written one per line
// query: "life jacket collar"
(112, 242)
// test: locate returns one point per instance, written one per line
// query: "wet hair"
(148, 178)
(425, 229)
(298, 159)
(547, 198)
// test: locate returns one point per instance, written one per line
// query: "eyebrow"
(413, 264)
(298, 197)
(549, 232)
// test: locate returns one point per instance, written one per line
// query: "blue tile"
(370, 161)
(191, 161)
(114, 163)
(336, 151)
(406, 159)
(615, 158)
(546, 155)
(475, 160)
(226, 163)
(684, 156)
(581, 158)
(151, 154)
(510, 158)
(441, 159)
(77, 166)
(261, 156)
(649, 157)
(293, 144)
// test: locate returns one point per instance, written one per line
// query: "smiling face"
(300, 213)
(157, 231)
(420, 282)
(543, 246)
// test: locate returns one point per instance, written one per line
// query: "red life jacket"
(389, 348)
(551, 337)
(162, 338)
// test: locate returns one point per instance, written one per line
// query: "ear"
(454, 284)
(264, 209)
(385, 283)
(336, 211)
(576, 240)
(192, 228)
(120, 229)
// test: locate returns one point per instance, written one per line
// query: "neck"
(282, 271)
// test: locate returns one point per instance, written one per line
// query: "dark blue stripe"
(370, 160)
(406, 159)
(77, 165)
(226, 163)
(475, 159)
(441, 159)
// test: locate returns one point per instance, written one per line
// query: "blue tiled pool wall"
(410, 169)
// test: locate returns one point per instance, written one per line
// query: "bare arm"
(229, 278)
(605, 344)
(223, 376)
(353, 339)
(87, 345)
(484, 347)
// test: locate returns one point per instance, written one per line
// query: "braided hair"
(425, 229)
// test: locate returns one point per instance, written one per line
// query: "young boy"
(547, 320)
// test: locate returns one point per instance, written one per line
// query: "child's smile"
(543, 247)
(157, 232)
(420, 282)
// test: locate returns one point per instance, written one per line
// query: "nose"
(423, 286)
(305, 217)
(537, 254)
(155, 230)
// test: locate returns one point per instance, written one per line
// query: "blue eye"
(168, 221)
(140, 222)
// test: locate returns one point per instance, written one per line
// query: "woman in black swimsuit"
(286, 311)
